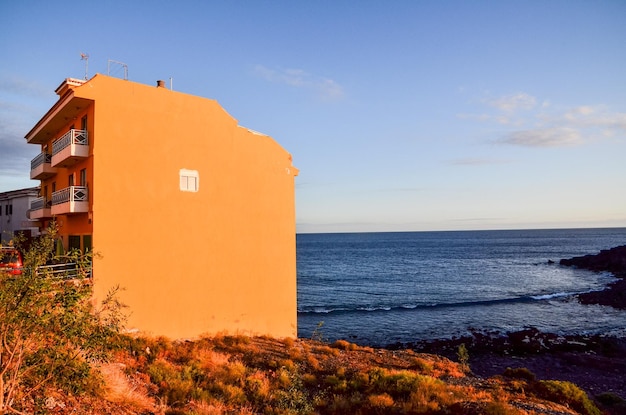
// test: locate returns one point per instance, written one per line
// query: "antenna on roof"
(85, 57)
(123, 65)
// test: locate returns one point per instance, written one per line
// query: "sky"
(400, 115)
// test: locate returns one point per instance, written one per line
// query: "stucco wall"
(220, 259)
(17, 220)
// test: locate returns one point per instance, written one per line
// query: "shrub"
(336, 384)
(360, 381)
(292, 397)
(519, 373)
(288, 364)
(175, 388)
(238, 343)
(326, 350)
(313, 363)
(567, 393)
(381, 401)
(289, 342)
(344, 345)
(258, 386)
(421, 365)
(51, 331)
(295, 354)
(429, 394)
(398, 384)
(231, 393)
(463, 357)
(317, 333)
(231, 373)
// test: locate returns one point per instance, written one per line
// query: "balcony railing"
(70, 194)
(70, 149)
(78, 137)
(40, 159)
(73, 199)
(41, 167)
(38, 203)
(39, 208)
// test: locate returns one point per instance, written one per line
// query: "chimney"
(160, 83)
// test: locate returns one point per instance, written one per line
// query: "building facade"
(14, 206)
(191, 214)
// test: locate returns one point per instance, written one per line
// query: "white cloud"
(508, 109)
(539, 123)
(512, 103)
(547, 137)
(298, 78)
(590, 117)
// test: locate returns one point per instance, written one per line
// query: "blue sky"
(401, 115)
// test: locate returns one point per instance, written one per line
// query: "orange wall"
(221, 259)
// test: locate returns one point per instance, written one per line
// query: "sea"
(380, 289)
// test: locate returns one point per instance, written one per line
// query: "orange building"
(193, 215)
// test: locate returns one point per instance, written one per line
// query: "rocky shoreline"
(595, 363)
(611, 260)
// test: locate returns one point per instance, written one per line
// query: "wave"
(409, 307)
(554, 295)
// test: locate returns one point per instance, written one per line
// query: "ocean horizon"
(380, 288)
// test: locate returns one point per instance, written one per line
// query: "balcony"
(39, 209)
(73, 199)
(70, 149)
(41, 168)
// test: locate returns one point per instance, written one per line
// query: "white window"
(189, 180)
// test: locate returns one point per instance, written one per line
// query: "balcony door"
(74, 242)
(83, 177)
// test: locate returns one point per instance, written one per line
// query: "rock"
(612, 260)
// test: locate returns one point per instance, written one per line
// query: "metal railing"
(66, 271)
(38, 203)
(69, 138)
(70, 194)
(63, 271)
(40, 159)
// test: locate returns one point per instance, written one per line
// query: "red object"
(11, 261)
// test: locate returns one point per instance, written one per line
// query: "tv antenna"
(85, 57)
(118, 64)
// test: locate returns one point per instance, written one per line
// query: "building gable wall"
(219, 259)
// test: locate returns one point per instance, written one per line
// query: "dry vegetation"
(59, 355)
(261, 375)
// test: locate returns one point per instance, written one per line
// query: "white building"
(14, 206)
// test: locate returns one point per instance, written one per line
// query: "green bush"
(51, 330)
(398, 384)
(292, 397)
(463, 356)
(567, 393)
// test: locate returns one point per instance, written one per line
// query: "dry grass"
(120, 390)
(238, 374)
